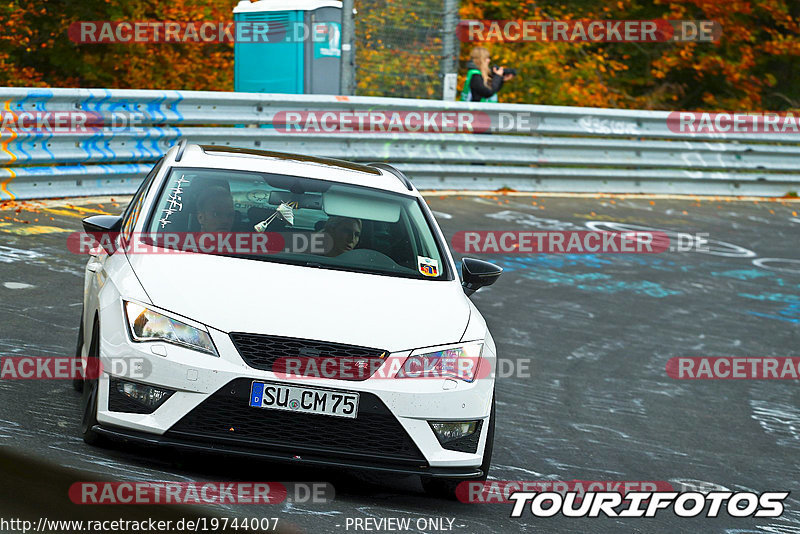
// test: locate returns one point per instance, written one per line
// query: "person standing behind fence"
(481, 85)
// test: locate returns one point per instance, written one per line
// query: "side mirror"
(100, 226)
(476, 274)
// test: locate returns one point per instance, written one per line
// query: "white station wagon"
(363, 352)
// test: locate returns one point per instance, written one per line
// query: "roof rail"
(181, 148)
(397, 172)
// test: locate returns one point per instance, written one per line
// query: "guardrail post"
(348, 65)
(450, 50)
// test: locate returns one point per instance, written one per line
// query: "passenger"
(215, 211)
(344, 232)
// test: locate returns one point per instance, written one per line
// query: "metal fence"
(400, 46)
(569, 149)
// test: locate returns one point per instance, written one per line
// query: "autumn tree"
(752, 66)
(37, 45)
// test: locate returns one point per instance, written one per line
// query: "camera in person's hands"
(506, 70)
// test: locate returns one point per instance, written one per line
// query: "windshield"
(319, 223)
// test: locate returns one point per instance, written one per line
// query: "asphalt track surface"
(598, 329)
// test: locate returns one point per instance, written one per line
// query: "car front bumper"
(200, 379)
(146, 439)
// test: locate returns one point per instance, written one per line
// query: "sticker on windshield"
(259, 197)
(428, 266)
(174, 202)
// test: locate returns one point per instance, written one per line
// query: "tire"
(91, 386)
(446, 487)
(77, 383)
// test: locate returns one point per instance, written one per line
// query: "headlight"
(146, 325)
(460, 362)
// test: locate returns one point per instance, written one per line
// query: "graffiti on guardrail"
(49, 162)
(596, 125)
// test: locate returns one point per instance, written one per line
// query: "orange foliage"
(754, 66)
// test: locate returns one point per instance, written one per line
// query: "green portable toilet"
(302, 54)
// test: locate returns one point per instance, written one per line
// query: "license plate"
(303, 400)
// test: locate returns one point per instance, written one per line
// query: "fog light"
(462, 436)
(128, 396)
(147, 395)
(453, 430)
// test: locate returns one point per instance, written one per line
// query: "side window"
(134, 208)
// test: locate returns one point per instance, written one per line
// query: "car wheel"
(446, 487)
(91, 386)
(77, 382)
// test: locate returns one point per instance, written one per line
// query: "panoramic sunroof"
(294, 157)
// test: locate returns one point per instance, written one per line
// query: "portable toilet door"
(289, 62)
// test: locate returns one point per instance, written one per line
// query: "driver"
(215, 211)
(345, 233)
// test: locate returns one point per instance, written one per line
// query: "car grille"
(226, 416)
(305, 357)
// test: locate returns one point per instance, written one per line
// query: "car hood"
(242, 295)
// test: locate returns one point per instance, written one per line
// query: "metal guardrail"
(570, 148)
